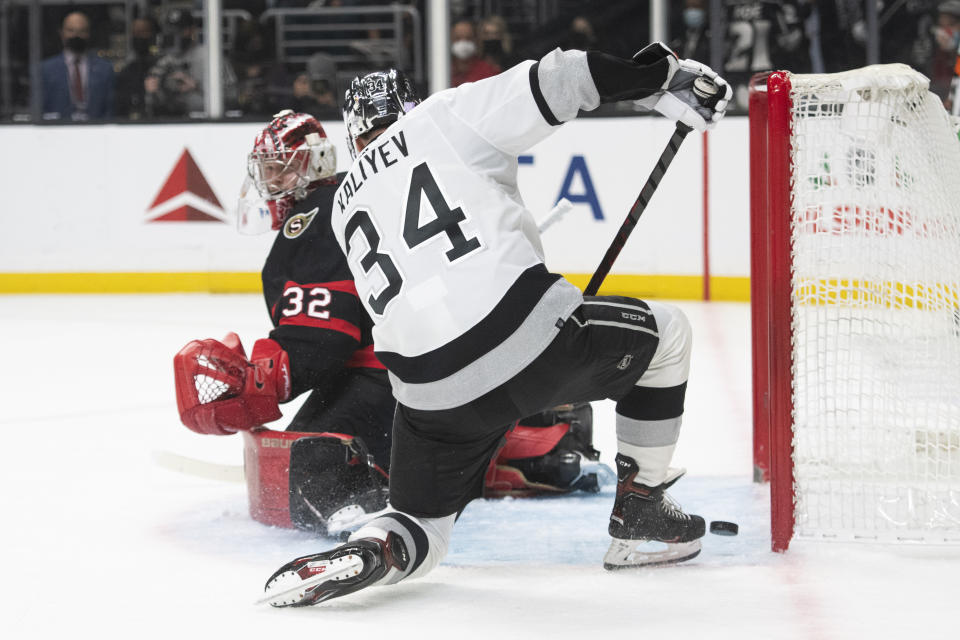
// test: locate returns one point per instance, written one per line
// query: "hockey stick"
(198, 468)
(706, 91)
(637, 209)
(554, 216)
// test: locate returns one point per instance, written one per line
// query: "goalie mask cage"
(855, 287)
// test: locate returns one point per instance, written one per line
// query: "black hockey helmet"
(376, 100)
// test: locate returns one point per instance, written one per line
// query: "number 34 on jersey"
(365, 246)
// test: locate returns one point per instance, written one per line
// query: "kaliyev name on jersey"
(373, 159)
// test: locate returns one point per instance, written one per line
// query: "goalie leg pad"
(334, 484)
(548, 453)
(529, 442)
(294, 476)
(266, 466)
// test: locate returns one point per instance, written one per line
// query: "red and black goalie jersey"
(311, 297)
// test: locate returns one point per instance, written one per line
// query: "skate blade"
(289, 589)
(628, 554)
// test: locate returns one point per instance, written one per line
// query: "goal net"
(855, 276)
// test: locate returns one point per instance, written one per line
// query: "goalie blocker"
(328, 483)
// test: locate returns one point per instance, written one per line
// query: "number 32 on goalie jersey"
(446, 221)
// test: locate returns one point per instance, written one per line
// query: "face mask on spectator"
(76, 44)
(694, 18)
(947, 38)
(463, 49)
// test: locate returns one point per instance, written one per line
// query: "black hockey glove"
(693, 93)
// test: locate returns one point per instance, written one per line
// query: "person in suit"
(77, 85)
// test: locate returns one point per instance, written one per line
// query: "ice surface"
(100, 542)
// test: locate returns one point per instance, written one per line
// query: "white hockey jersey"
(447, 259)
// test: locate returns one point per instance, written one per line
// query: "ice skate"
(647, 526)
(322, 576)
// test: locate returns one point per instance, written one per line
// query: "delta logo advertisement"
(186, 196)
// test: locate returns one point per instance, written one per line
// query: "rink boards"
(149, 208)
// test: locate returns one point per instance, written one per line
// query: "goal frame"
(770, 289)
(855, 306)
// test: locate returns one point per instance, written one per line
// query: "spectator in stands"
(496, 44)
(313, 90)
(838, 21)
(901, 25)
(466, 65)
(581, 35)
(263, 83)
(131, 94)
(76, 84)
(175, 85)
(945, 39)
(763, 36)
(694, 41)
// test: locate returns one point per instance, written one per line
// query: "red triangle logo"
(186, 213)
(186, 177)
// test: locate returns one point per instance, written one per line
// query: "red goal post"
(855, 290)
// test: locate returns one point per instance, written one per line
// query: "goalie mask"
(376, 100)
(291, 153)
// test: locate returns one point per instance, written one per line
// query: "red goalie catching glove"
(220, 392)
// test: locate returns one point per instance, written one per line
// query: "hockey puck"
(705, 88)
(722, 528)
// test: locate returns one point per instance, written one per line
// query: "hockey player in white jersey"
(475, 332)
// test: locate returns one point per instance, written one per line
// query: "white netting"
(876, 307)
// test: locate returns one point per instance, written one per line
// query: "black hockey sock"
(653, 403)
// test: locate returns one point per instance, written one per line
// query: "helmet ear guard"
(323, 156)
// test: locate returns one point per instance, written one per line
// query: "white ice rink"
(99, 542)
